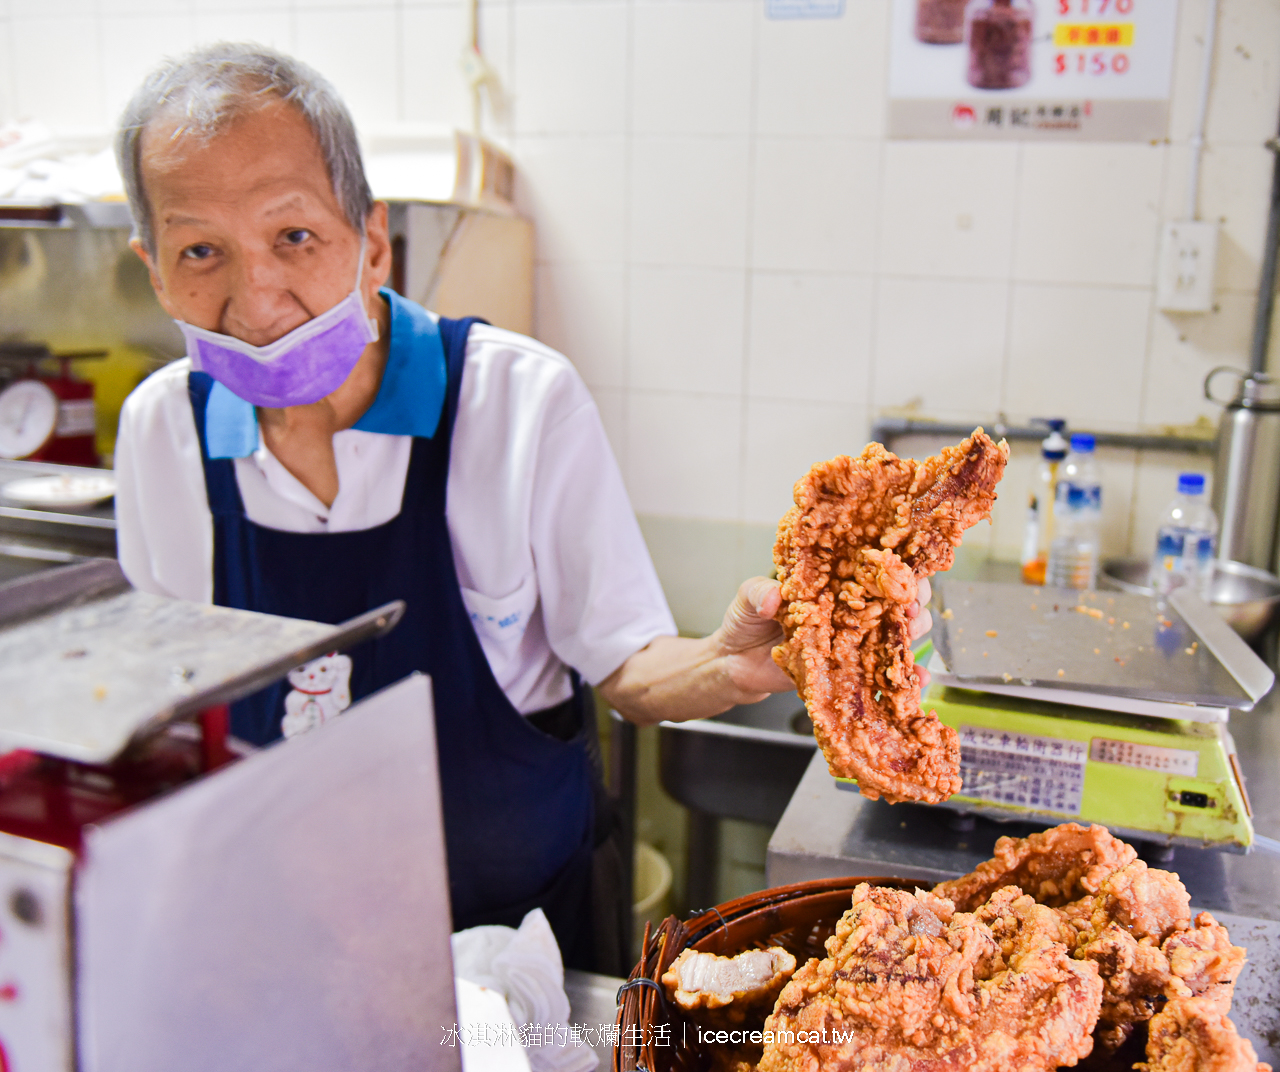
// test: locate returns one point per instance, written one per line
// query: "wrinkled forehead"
(266, 150)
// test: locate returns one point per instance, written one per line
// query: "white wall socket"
(1188, 257)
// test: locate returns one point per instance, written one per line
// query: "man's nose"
(260, 306)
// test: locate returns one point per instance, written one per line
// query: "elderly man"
(329, 446)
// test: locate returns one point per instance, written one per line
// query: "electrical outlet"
(1188, 257)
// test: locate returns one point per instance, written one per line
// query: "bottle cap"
(1082, 443)
(1190, 484)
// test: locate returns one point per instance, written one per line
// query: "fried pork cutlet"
(911, 985)
(849, 555)
(1055, 867)
(1130, 920)
(1194, 1035)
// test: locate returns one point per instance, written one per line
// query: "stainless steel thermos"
(1246, 479)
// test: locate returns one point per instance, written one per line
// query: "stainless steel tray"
(88, 664)
(1107, 643)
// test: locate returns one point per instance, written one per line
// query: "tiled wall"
(742, 265)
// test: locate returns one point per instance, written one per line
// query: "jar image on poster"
(999, 35)
(940, 22)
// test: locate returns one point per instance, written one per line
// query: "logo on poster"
(963, 116)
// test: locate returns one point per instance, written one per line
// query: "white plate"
(60, 490)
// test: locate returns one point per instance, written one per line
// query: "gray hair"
(210, 86)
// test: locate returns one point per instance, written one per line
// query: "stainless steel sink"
(743, 764)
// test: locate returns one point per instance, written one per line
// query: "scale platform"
(1095, 707)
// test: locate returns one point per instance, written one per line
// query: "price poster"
(1084, 70)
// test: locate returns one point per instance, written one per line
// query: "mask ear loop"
(374, 332)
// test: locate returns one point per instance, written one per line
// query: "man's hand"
(747, 636)
(679, 679)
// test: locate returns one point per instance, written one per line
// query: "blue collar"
(409, 399)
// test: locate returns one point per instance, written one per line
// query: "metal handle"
(1241, 375)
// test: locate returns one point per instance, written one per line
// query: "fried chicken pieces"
(1134, 923)
(1061, 946)
(911, 985)
(849, 555)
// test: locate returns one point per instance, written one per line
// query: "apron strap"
(219, 473)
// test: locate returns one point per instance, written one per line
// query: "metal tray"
(1107, 643)
(89, 665)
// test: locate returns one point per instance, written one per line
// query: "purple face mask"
(301, 367)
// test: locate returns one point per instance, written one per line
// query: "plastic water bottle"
(1186, 541)
(1077, 519)
(1038, 534)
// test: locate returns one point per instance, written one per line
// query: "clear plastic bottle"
(1077, 519)
(1186, 540)
(1039, 530)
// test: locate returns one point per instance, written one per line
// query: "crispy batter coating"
(849, 555)
(1130, 920)
(910, 985)
(1055, 867)
(1205, 961)
(724, 991)
(1121, 928)
(1194, 1035)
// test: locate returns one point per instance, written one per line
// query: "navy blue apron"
(517, 801)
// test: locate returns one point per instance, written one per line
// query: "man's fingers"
(923, 592)
(921, 624)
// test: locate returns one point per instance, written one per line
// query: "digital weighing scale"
(1096, 707)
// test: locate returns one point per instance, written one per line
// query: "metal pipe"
(886, 429)
(1267, 274)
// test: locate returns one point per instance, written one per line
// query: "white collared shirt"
(550, 559)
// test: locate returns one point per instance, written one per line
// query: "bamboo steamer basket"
(653, 1034)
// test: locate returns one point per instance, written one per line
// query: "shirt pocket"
(502, 620)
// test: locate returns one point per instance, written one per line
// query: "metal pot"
(1246, 477)
(1247, 597)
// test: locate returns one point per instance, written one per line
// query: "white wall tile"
(1185, 348)
(686, 329)
(356, 50)
(691, 67)
(1077, 352)
(947, 209)
(783, 440)
(22, 9)
(134, 45)
(810, 337)
(271, 28)
(1246, 76)
(806, 83)
(432, 84)
(1089, 213)
(61, 86)
(574, 189)
(940, 346)
(580, 310)
(815, 204)
(110, 8)
(1235, 188)
(571, 68)
(689, 201)
(684, 454)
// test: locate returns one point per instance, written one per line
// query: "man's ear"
(157, 285)
(377, 265)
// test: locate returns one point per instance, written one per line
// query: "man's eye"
(199, 252)
(297, 236)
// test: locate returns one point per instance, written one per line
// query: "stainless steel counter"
(827, 832)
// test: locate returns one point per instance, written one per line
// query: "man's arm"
(677, 679)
